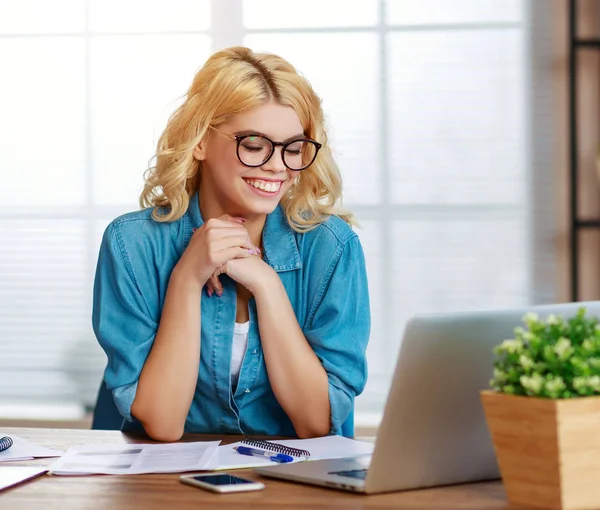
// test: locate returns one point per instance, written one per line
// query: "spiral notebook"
(272, 446)
(328, 447)
(5, 443)
(22, 449)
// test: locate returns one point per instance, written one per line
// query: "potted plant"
(544, 412)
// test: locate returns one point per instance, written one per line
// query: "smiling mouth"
(268, 186)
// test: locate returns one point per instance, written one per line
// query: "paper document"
(328, 447)
(131, 459)
(22, 449)
(13, 475)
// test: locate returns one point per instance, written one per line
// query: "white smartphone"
(222, 482)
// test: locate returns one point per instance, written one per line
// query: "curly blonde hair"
(231, 81)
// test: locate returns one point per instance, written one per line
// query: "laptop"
(433, 431)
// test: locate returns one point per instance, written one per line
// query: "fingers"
(209, 288)
(236, 219)
(227, 254)
(217, 224)
(231, 241)
(222, 223)
(225, 221)
(217, 242)
(215, 283)
(220, 234)
(216, 239)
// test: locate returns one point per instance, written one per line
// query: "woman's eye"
(294, 149)
(251, 148)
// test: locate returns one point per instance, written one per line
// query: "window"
(430, 116)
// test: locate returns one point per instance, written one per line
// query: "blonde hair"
(231, 81)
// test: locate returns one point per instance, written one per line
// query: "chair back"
(348, 425)
(106, 414)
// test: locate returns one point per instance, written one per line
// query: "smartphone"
(222, 482)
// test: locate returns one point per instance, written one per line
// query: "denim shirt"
(323, 272)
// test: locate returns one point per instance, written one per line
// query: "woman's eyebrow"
(255, 132)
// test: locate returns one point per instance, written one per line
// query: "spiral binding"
(5, 443)
(277, 448)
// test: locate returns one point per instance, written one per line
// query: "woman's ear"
(200, 151)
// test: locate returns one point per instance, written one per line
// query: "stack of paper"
(26, 450)
(328, 447)
(131, 459)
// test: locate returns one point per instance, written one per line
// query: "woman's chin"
(265, 209)
(261, 206)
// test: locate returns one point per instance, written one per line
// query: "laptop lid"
(433, 430)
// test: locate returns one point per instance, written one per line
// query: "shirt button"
(247, 390)
(254, 351)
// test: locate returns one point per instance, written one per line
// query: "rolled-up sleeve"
(339, 326)
(121, 319)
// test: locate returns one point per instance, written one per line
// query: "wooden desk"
(154, 492)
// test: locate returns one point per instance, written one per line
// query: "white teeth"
(270, 187)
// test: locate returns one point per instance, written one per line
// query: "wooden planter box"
(548, 451)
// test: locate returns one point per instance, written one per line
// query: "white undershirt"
(238, 349)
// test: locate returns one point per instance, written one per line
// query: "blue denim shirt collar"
(279, 242)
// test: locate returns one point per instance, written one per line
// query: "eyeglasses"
(255, 150)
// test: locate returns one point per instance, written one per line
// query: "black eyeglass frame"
(284, 145)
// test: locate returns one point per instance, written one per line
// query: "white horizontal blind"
(430, 116)
(86, 88)
(429, 109)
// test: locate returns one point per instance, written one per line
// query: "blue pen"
(275, 457)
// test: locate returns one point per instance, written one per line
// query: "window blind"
(432, 119)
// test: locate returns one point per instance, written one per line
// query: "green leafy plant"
(550, 358)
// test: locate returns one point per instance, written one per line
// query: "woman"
(236, 301)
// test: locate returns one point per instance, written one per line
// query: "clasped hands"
(223, 246)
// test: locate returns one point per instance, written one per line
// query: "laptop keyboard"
(360, 474)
